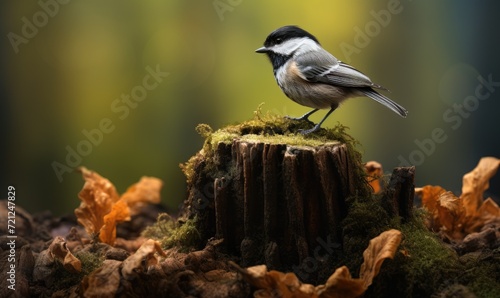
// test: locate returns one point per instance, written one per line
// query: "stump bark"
(281, 199)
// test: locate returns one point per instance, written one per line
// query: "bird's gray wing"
(321, 66)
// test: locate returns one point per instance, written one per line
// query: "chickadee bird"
(312, 77)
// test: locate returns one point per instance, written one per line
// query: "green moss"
(164, 226)
(173, 233)
(365, 220)
(65, 279)
(422, 265)
(428, 263)
(90, 261)
(482, 273)
(268, 128)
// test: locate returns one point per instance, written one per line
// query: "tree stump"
(273, 197)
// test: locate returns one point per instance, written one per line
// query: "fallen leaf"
(275, 283)
(102, 208)
(339, 285)
(280, 283)
(456, 216)
(59, 251)
(129, 245)
(450, 212)
(98, 196)
(374, 172)
(489, 210)
(380, 248)
(476, 182)
(255, 275)
(119, 212)
(146, 191)
(430, 195)
(145, 253)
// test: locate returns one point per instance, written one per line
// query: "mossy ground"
(64, 279)
(172, 233)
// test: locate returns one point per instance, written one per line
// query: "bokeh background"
(66, 64)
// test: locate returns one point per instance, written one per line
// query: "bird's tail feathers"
(385, 101)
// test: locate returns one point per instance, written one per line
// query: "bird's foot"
(308, 131)
(302, 118)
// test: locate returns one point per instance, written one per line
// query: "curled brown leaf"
(98, 196)
(146, 191)
(145, 253)
(450, 213)
(341, 285)
(102, 208)
(488, 210)
(380, 248)
(119, 213)
(476, 182)
(430, 195)
(455, 216)
(59, 251)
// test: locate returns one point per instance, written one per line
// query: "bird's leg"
(303, 117)
(317, 126)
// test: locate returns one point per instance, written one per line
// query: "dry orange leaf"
(145, 252)
(340, 284)
(476, 182)
(450, 212)
(489, 210)
(459, 216)
(59, 251)
(430, 194)
(146, 191)
(98, 196)
(119, 212)
(380, 248)
(102, 207)
(374, 172)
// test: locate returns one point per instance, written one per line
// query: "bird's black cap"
(286, 33)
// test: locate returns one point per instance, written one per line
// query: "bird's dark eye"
(279, 40)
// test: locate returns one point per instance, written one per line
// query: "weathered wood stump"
(272, 197)
(281, 198)
(401, 191)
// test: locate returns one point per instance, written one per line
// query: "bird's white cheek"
(281, 75)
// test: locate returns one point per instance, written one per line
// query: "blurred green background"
(66, 65)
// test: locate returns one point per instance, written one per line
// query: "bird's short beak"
(262, 50)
